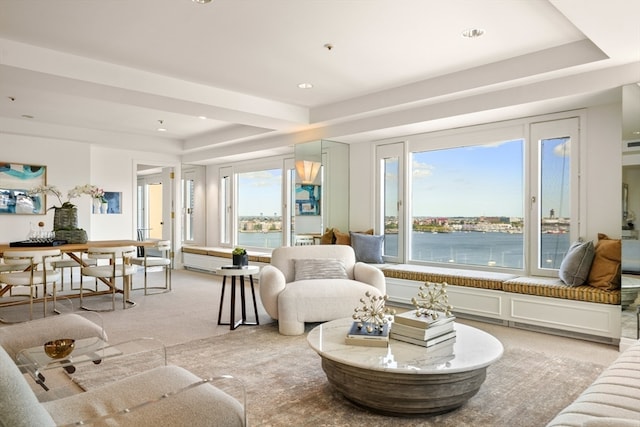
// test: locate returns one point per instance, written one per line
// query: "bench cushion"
(556, 288)
(459, 277)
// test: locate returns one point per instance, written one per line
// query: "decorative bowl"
(57, 349)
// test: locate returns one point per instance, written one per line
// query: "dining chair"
(33, 268)
(119, 267)
(70, 263)
(163, 247)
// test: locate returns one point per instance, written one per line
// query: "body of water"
(470, 248)
(482, 249)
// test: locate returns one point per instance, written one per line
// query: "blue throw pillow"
(575, 267)
(368, 247)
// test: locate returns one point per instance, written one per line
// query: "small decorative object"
(57, 349)
(240, 257)
(372, 314)
(432, 301)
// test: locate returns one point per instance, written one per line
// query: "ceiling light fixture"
(305, 85)
(161, 128)
(472, 33)
(201, 1)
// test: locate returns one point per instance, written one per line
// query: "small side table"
(241, 273)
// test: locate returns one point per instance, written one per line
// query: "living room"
(581, 74)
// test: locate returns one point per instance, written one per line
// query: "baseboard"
(565, 333)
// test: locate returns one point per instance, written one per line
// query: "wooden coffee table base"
(403, 394)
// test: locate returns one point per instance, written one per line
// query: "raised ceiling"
(112, 72)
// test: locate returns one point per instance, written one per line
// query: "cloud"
(421, 170)
(563, 150)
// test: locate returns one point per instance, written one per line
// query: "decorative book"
(428, 343)
(359, 335)
(410, 318)
(422, 333)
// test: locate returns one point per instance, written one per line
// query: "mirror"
(630, 208)
(321, 193)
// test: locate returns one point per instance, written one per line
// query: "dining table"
(74, 251)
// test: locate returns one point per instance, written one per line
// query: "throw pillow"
(575, 267)
(322, 268)
(345, 238)
(605, 270)
(367, 247)
(341, 238)
(328, 238)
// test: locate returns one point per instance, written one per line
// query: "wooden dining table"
(72, 250)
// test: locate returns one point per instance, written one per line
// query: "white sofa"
(613, 400)
(321, 297)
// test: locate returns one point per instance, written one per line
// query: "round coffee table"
(405, 379)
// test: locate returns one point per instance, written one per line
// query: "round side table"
(241, 273)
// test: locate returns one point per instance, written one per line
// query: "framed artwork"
(16, 180)
(114, 202)
(307, 199)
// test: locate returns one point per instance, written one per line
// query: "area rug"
(286, 385)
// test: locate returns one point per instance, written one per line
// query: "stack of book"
(360, 336)
(422, 330)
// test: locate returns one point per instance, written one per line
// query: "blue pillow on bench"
(575, 267)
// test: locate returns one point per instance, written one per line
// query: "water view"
(470, 248)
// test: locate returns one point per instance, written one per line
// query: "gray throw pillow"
(368, 248)
(575, 267)
(321, 268)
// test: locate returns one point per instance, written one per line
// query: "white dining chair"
(163, 260)
(119, 267)
(33, 268)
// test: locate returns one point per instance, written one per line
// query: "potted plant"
(240, 257)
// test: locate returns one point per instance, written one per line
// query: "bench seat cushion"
(458, 277)
(556, 288)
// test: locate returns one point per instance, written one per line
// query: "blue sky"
(468, 181)
(260, 193)
(482, 180)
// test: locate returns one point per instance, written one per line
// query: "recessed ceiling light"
(162, 130)
(201, 1)
(472, 33)
(202, 117)
(305, 85)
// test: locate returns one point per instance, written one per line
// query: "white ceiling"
(108, 71)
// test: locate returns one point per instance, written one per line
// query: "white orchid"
(74, 193)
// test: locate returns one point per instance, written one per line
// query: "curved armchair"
(315, 284)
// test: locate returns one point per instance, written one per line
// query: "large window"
(490, 197)
(466, 205)
(259, 209)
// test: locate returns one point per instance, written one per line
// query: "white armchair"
(315, 284)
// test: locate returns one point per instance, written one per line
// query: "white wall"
(71, 163)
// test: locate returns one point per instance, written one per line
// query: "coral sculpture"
(432, 301)
(372, 314)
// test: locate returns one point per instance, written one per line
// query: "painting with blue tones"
(307, 199)
(15, 181)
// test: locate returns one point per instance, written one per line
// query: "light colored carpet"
(537, 376)
(286, 385)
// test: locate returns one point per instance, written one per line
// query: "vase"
(96, 206)
(65, 219)
(240, 260)
(103, 207)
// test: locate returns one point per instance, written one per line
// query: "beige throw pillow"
(605, 269)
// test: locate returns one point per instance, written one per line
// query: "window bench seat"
(539, 303)
(211, 258)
